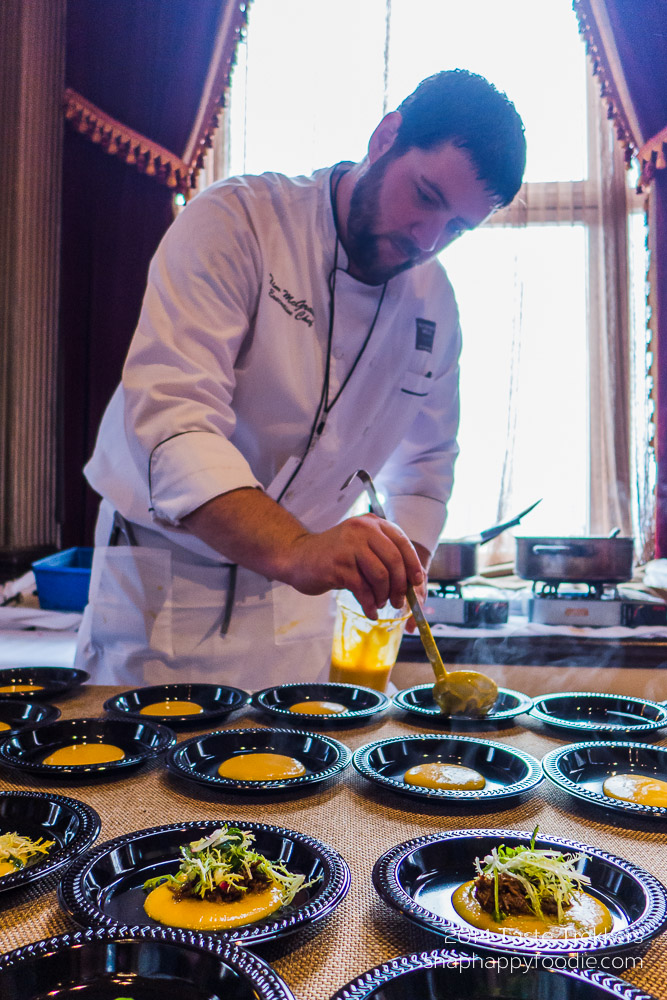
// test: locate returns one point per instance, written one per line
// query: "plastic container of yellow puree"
(364, 651)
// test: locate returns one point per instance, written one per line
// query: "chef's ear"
(384, 135)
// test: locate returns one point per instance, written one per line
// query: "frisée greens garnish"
(20, 851)
(224, 866)
(544, 876)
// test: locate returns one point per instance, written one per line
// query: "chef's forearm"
(366, 554)
(247, 527)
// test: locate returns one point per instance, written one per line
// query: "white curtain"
(547, 384)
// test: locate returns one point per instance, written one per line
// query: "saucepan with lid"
(457, 560)
(575, 560)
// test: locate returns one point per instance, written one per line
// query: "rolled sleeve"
(189, 469)
(179, 378)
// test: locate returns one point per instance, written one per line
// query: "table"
(361, 821)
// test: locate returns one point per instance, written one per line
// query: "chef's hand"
(367, 555)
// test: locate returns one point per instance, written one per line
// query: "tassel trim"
(608, 92)
(231, 31)
(118, 140)
(147, 156)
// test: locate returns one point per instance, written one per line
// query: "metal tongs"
(456, 692)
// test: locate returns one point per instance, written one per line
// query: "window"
(540, 395)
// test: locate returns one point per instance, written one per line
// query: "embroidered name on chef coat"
(293, 306)
(425, 335)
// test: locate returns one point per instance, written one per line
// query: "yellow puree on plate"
(585, 917)
(261, 767)
(173, 707)
(4, 725)
(640, 788)
(6, 868)
(15, 688)
(317, 707)
(447, 776)
(202, 914)
(85, 753)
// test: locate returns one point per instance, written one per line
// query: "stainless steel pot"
(574, 560)
(457, 560)
(453, 561)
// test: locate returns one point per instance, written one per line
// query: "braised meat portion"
(512, 898)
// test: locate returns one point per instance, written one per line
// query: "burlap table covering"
(361, 821)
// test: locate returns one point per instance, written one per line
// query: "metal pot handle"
(558, 550)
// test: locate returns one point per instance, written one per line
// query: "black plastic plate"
(104, 888)
(52, 681)
(25, 751)
(72, 824)
(451, 975)
(418, 877)
(361, 703)
(601, 715)
(198, 758)
(19, 714)
(157, 964)
(216, 700)
(582, 768)
(418, 701)
(508, 772)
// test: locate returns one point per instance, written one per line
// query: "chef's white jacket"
(221, 390)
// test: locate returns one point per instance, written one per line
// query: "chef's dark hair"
(466, 109)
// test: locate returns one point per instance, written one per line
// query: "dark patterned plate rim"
(582, 725)
(523, 705)
(381, 703)
(601, 983)
(239, 696)
(264, 979)
(176, 767)
(551, 765)
(74, 900)
(650, 923)
(89, 828)
(166, 739)
(533, 777)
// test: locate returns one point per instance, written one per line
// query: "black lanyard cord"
(325, 404)
(328, 404)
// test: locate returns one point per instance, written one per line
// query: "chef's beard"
(362, 244)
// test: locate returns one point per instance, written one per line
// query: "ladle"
(456, 692)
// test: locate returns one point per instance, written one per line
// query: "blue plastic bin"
(63, 579)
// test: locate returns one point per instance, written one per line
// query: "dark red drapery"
(145, 63)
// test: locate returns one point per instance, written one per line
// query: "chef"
(293, 330)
